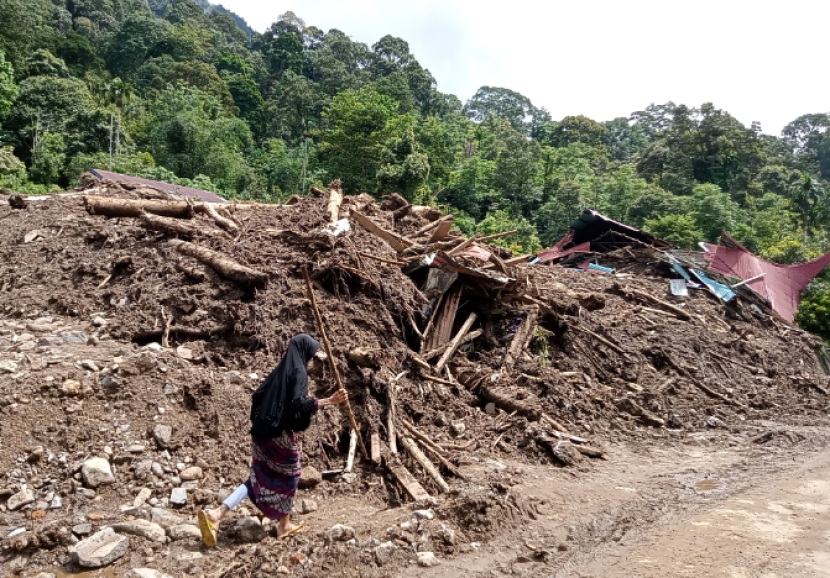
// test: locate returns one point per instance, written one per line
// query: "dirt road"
(779, 528)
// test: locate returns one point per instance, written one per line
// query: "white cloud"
(761, 61)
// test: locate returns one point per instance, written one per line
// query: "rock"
(143, 528)
(143, 469)
(190, 486)
(20, 499)
(190, 474)
(183, 532)
(385, 552)
(566, 453)
(490, 409)
(56, 503)
(446, 534)
(108, 381)
(165, 518)
(234, 378)
(88, 493)
(73, 337)
(249, 529)
(178, 497)
(8, 366)
(35, 455)
(97, 472)
(32, 236)
(310, 478)
(90, 365)
(349, 478)
(45, 575)
(100, 549)
(135, 449)
(340, 533)
(308, 506)
(82, 529)
(427, 559)
(145, 573)
(157, 470)
(99, 321)
(423, 514)
(162, 434)
(458, 428)
(188, 556)
(143, 495)
(71, 387)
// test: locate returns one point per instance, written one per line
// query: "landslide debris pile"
(452, 350)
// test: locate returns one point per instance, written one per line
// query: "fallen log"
(413, 431)
(224, 223)
(455, 342)
(224, 266)
(424, 461)
(167, 225)
(109, 207)
(508, 404)
(364, 357)
(520, 340)
(181, 331)
(192, 272)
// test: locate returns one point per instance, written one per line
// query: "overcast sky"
(761, 60)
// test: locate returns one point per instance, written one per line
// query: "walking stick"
(330, 355)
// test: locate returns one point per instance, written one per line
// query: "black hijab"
(271, 402)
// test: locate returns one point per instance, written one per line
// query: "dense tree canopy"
(184, 91)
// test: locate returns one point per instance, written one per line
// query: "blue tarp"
(724, 292)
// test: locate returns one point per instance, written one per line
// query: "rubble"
(100, 549)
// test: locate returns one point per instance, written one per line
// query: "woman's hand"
(338, 398)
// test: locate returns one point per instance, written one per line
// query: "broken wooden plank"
(429, 227)
(467, 338)
(442, 229)
(397, 242)
(374, 443)
(445, 319)
(458, 248)
(435, 450)
(498, 235)
(667, 306)
(416, 453)
(352, 448)
(382, 259)
(335, 200)
(415, 490)
(455, 342)
(517, 260)
(520, 341)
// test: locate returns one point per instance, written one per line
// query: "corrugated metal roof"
(171, 189)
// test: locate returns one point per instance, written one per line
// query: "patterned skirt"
(275, 475)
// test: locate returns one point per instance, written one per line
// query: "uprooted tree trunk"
(167, 225)
(227, 268)
(110, 207)
(226, 224)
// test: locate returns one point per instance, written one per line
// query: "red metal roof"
(173, 190)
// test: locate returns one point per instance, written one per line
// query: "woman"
(279, 408)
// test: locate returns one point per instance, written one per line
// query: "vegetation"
(176, 89)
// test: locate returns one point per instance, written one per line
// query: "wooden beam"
(424, 461)
(520, 340)
(455, 342)
(415, 490)
(397, 242)
(441, 231)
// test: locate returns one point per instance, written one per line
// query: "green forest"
(185, 92)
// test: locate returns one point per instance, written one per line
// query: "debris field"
(134, 327)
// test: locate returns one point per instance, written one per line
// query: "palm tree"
(809, 199)
(116, 94)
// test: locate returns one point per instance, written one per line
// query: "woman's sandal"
(207, 528)
(299, 528)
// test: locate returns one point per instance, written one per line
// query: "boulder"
(308, 506)
(82, 529)
(310, 478)
(71, 387)
(190, 474)
(20, 499)
(162, 434)
(183, 532)
(385, 552)
(340, 533)
(97, 472)
(142, 528)
(427, 559)
(73, 337)
(249, 529)
(100, 549)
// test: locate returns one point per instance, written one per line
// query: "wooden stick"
(706, 389)
(437, 451)
(390, 414)
(432, 225)
(352, 448)
(668, 306)
(738, 363)
(601, 339)
(455, 342)
(458, 248)
(438, 380)
(397, 242)
(424, 461)
(165, 337)
(382, 260)
(374, 443)
(497, 235)
(322, 328)
(467, 338)
(226, 267)
(421, 437)
(517, 260)
(432, 317)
